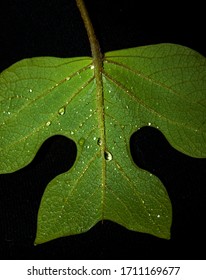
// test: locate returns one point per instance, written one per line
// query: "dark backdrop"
(54, 28)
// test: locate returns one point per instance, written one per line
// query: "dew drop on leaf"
(99, 141)
(62, 111)
(48, 123)
(108, 156)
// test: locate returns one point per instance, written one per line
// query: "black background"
(54, 28)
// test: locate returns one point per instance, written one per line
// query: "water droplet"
(108, 156)
(81, 141)
(62, 111)
(92, 67)
(99, 141)
(158, 216)
(68, 78)
(30, 90)
(48, 123)
(149, 123)
(72, 132)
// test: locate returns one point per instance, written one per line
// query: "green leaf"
(159, 85)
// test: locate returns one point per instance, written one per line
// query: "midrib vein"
(98, 65)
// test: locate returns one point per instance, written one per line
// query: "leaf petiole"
(94, 43)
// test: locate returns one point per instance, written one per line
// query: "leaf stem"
(94, 44)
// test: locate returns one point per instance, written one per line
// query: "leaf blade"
(151, 85)
(25, 127)
(176, 73)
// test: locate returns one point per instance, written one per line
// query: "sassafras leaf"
(160, 85)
